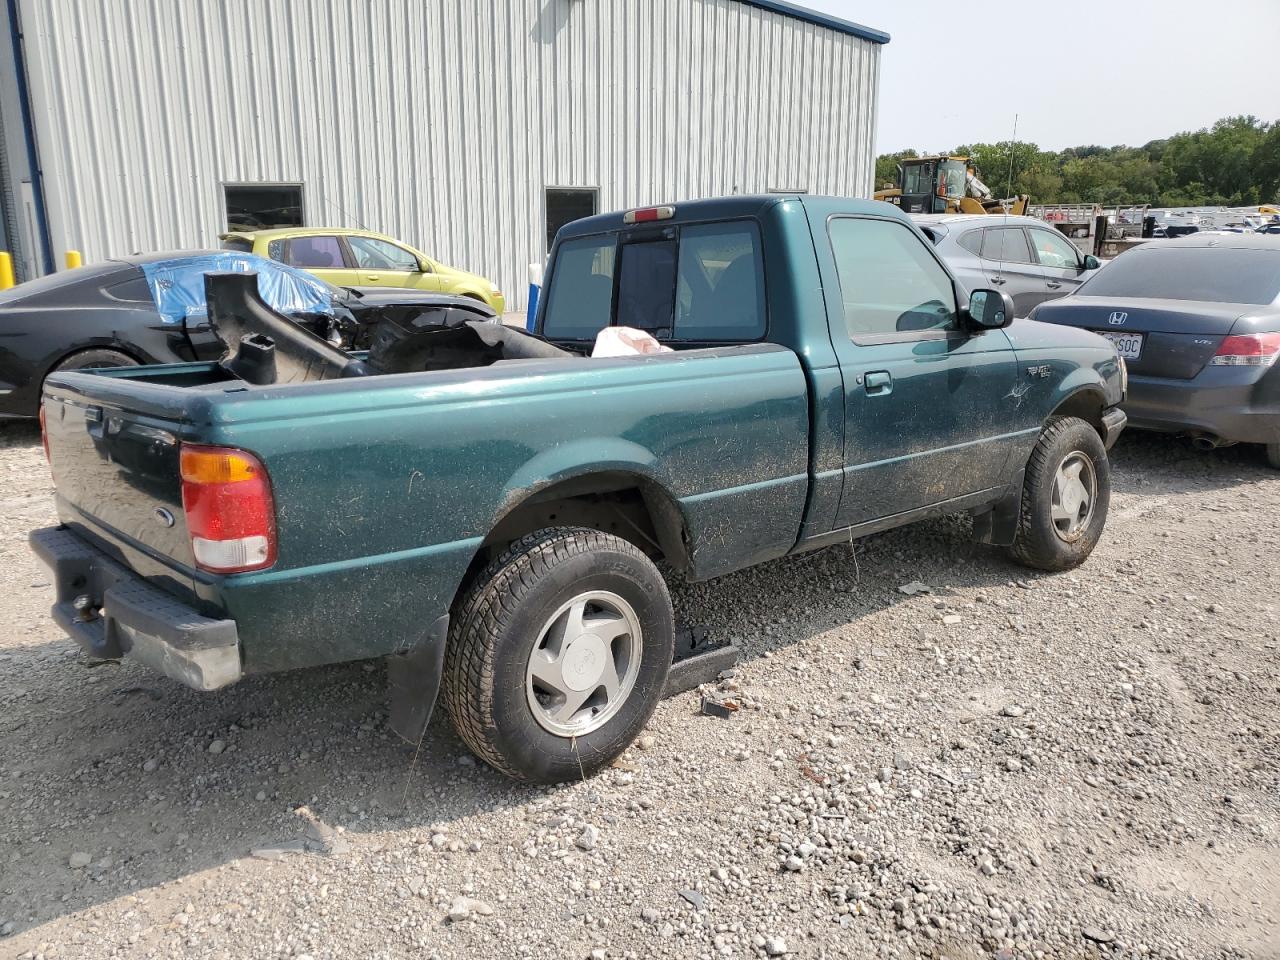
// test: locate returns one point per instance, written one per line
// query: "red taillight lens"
(1248, 350)
(44, 435)
(231, 518)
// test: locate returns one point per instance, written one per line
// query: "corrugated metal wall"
(437, 121)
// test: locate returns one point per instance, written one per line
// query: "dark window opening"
(566, 206)
(263, 207)
(646, 287)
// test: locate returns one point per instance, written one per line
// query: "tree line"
(1234, 163)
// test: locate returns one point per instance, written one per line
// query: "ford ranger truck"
(494, 529)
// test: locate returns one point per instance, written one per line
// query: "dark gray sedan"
(1022, 256)
(1197, 320)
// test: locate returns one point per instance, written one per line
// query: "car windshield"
(1191, 273)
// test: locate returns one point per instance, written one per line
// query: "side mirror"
(424, 266)
(1091, 262)
(990, 309)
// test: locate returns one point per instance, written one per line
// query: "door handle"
(373, 276)
(1054, 284)
(877, 383)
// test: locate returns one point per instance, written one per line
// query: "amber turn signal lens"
(216, 465)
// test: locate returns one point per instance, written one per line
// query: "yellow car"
(361, 258)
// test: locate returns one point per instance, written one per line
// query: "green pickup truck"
(494, 529)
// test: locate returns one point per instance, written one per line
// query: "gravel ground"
(1009, 765)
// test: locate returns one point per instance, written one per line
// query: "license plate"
(1128, 345)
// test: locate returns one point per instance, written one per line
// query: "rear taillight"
(44, 435)
(1248, 350)
(226, 495)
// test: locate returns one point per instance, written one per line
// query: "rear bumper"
(1241, 412)
(111, 612)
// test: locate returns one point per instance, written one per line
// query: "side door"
(1010, 266)
(324, 256)
(381, 263)
(925, 399)
(1061, 261)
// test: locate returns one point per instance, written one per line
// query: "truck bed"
(398, 479)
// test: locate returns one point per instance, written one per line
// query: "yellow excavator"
(946, 184)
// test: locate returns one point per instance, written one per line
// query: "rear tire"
(1065, 495)
(558, 654)
(96, 360)
(1273, 455)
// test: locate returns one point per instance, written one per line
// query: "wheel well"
(1087, 404)
(625, 505)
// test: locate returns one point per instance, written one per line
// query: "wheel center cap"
(1071, 498)
(583, 663)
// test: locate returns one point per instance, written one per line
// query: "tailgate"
(116, 472)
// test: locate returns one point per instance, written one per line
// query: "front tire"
(1065, 495)
(1273, 455)
(558, 654)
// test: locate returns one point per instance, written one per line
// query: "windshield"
(1191, 273)
(953, 176)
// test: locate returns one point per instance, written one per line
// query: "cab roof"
(722, 208)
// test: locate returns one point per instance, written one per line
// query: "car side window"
(315, 253)
(890, 283)
(275, 250)
(1054, 250)
(1006, 244)
(374, 254)
(972, 241)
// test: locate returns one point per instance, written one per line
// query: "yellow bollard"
(6, 271)
(74, 259)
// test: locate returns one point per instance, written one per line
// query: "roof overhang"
(821, 19)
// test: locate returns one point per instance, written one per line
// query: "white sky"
(1075, 71)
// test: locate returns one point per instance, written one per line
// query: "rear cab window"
(689, 283)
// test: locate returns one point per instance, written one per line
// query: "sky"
(1074, 71)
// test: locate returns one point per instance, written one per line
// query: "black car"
(1197, 320)
(150, 309)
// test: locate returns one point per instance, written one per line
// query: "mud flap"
(999, 525)
(413, 683)
(696, 660)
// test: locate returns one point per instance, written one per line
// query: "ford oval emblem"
(1117, 318)
(164, 516)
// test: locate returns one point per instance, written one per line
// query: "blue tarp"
(177, 285)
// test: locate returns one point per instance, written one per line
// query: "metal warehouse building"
(469, 128)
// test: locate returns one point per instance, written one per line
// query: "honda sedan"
(1197, 320)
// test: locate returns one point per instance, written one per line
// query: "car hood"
(1145, 315)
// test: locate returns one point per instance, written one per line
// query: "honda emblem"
(1117, 318)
